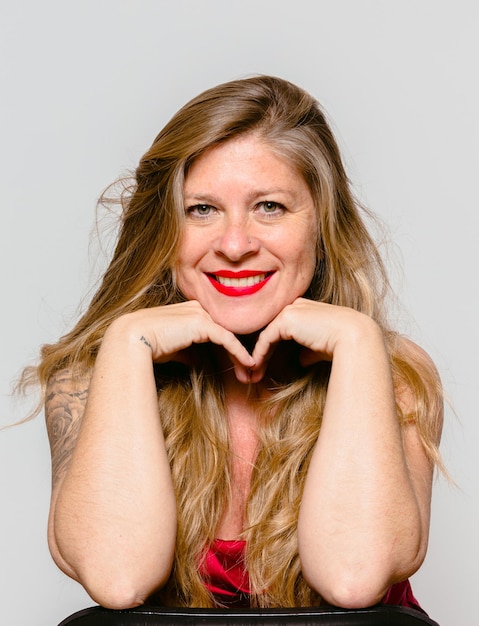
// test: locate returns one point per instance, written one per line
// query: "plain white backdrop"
(84, 89)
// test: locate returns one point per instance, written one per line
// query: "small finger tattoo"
(146, 342)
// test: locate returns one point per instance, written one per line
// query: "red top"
(227, 579)
(225, 575)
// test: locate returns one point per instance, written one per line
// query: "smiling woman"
(250, 231)
(233, 422)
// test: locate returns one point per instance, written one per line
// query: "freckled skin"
(246, 209)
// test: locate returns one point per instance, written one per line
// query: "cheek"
(306, 258)
(195, 243)
(180, 272)
(187, 254)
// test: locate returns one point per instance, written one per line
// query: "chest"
(244, 445)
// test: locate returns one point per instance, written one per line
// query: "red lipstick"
(242, 283)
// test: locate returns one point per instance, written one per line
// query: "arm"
(112, 521)
(364, 516)
(113, 516)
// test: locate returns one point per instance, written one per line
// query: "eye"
(199, 211)
(269, 207)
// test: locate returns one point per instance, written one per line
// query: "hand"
(317, 326)
(170, 330)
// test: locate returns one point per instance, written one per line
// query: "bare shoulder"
(417, 359)
(65, 401)
(419, 389)
(415, 352)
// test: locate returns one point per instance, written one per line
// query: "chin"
(246, 323)
(244, 329)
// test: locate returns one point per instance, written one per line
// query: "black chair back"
(148, 616)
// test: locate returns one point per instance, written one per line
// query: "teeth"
(240, 282)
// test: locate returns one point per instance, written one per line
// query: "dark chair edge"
(186, 615)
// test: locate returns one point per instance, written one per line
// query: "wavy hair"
(349, 272)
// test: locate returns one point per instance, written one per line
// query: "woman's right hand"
(169, 331)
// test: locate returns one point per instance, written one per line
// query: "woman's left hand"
(317, 326)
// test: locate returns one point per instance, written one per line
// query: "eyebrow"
(211, 198)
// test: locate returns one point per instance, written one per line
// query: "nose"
(236, 240)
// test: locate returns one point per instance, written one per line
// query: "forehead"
(246, 158)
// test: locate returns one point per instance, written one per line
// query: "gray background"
(86, 86)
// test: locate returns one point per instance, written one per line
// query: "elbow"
(119, 591)
(115, 579)
(116, 595)
(126, 582)
(355, 587)
(116, 586)
(362, 580)
(352, 590)
(353, 593)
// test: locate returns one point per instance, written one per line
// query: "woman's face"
(249, 243)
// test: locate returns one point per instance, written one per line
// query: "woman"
(232, 421)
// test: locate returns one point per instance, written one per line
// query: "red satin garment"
(225, 574)
(227, 579)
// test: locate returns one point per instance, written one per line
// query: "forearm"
(113, 519)
(360, 524)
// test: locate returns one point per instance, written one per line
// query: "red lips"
(242, 283)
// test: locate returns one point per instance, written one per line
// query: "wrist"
(126, 334)
(361, 335)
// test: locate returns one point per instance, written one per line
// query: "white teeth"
(240, 282)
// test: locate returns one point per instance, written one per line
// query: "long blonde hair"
(349, 272)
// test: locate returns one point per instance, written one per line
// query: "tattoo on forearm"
(64, 407)
(146, 342)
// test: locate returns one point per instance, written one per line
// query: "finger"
(266, 344)
(256, 375)
(237, 352)
(202, 329)
(240, 358)
(262, 357)
(243, 374)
